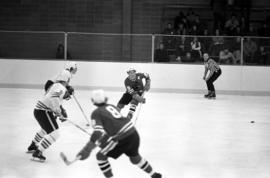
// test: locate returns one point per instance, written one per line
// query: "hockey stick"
(66, 161)
(88, 123)
(138, 111)
(79, 127)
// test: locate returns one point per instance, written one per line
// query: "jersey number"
(114, 112)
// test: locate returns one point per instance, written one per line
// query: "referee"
(214, 73)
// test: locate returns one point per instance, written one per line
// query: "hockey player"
(46, 112)
(70, 69)
(215, 72)
(115, 135)
(135, 88)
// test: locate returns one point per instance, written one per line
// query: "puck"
(252, 121)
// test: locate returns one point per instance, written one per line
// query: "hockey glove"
(70, 90)
(63, 112)
(147, 85)
(66, 96)
(62, 119)
(139, 98)
(87, 149)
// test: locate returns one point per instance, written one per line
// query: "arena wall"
(110, 75)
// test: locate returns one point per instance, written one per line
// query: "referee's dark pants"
(212, 79)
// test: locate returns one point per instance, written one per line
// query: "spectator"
(168, 40)
(187, 58)
(178, 19)
(169, 30)
(194, 30)
(191, 16)
(199, 24)
(238, 31)
(196, 52)
(264, 30)
(250, 47)
(205, 41)
(231, 24)
(60, 53)
(235, 47)
(161, 54)
(226, 57)
(251, 31)
(261, 56)
(182, 48)
(180, 29)
(243, 24)
(218, 44)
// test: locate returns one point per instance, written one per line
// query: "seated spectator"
(251, 31)
(194, 31)
(169, 30)
(168, 40)
(217, 44)
(231, 24)
(191, 16)
(180, 30)
(264, 30)
(235, 47)
(250, 47)
(60, 53)
(182, 47)
(261, 56)
(196, 52)
(161, 54)
(178, 19)
(226, 57)
(205, 41)
(187, 58)
(238, 31)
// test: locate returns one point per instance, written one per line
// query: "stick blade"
(64, 158)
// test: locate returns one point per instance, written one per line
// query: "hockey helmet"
(71, 66)
(130, 70)
(98, 96)
(63, 76)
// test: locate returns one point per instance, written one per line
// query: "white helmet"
(71, 66)
(63, 76)
(98, 96)
(131, 70)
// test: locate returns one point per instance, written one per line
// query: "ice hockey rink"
(182, 136)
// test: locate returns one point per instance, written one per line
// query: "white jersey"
(52, 100)
(61, 74)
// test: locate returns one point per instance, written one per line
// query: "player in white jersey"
(46, 111)
(70, 69)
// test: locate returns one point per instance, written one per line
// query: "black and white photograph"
(135, 88)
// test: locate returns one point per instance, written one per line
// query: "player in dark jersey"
(115, 135)
(215, 72)
(135, 88)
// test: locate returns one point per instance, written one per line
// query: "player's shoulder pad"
(95, 113)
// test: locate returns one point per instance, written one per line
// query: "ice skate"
(32, 148)
(37, 156)
(156, 175)
(212, 95)
(207, 95)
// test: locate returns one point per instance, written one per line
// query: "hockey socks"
(146, 167)
(105, 167)
(39, 135)
(132, 109)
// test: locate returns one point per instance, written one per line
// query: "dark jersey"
(136, 85)
(108, 119)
